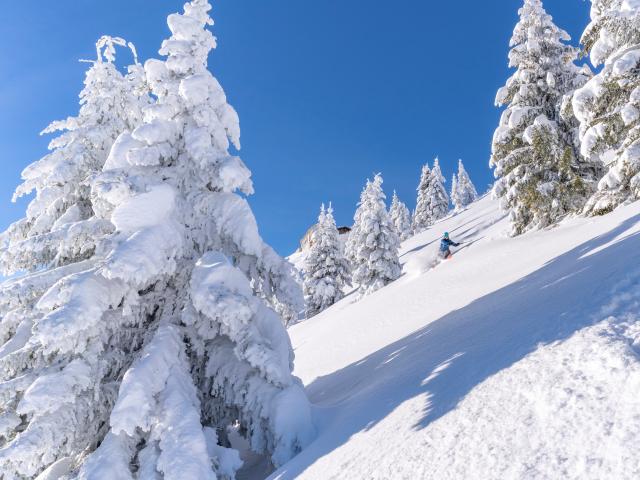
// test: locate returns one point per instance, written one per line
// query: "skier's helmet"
(446, 234)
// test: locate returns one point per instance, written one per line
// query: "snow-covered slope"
(518, 359)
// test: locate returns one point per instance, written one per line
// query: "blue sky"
(328, 91)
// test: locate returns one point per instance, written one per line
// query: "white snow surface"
(517, 359)
(145, 210)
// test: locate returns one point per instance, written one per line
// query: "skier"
(445, 244)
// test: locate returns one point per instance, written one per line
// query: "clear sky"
(328, 91)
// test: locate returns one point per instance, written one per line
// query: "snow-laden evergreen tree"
(436, 194)
(41, 418)
(463, 192)
(608, 106)
(421, 217)
(133, 360)
(59, 227)
(400, 217)
(540, 173)
(457, 205)
(372, 247)
(326, 268)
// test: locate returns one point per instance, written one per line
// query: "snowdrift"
(519, 358)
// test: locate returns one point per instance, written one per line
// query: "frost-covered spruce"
(608, 106)
(540, 174)
(436, 194)
(134, 361)
(463, 192)
(372, 247)
(59, 227)
(326, 268)
(421, 217)
(400, 217)
(54, 392)
(454, 193)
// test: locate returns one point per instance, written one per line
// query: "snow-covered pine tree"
(44, 404)
(421, 218)
(457, 204)
(400, 217)
(136, 360)
(540, 174)
(372, 247)
(326, 268)
(463, 192)
(608, 106)
(437, 198)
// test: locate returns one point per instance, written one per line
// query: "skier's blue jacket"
(446, 243)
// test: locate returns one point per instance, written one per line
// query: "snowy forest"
(147, 331)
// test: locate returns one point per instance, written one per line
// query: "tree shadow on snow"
(446, 359)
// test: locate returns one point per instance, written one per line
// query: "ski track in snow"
(518, 359)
